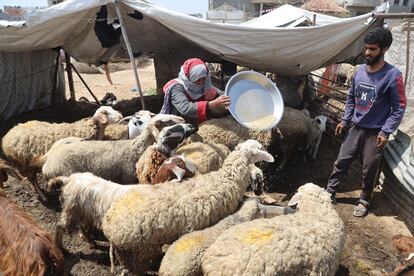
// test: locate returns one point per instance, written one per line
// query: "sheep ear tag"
(294, 200)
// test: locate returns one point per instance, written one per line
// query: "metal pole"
(407, 62)
(314, 19)
(70, 77)
(86, 85)
(131, 56)
(393, 15)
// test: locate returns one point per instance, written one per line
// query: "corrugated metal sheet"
(397, 176)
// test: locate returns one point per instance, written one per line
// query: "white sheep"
(112, 160)
(183, 257)
(136, 124)
(26, 143)
(308, 242)
(138, 224)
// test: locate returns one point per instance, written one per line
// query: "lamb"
(112, 160)
(175, 167)
(26, 143)
(183, 257)
(308, 242)
(138, 224)
(154, 156)
(6, 169)
(25, 248)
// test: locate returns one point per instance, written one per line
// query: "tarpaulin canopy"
(151, 29)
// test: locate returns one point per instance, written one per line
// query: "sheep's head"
(405, 245)
(107, 115)
(255, 151)
(172, 136)
(159, 121)
(138, 122)
(174, 167)
(320, 121)
(312, 192)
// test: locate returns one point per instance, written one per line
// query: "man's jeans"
(359, 142)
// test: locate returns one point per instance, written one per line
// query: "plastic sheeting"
(26, 81)
(288, 51)
(289, 16)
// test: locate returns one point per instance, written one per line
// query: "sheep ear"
(295, 199)
(179, 173)
(102, 118)
(261, 155)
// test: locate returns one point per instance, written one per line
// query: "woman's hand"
(221, 101)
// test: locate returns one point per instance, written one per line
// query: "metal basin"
(256, 102)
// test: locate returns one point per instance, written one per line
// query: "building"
(327, 7)
(401, 5)
(13, 13)
(226, 14)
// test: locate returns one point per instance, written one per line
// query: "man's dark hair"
(380, 36)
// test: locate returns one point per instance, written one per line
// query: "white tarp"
(289, 16)
(288, 51)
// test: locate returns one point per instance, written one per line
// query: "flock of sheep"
(162, 192)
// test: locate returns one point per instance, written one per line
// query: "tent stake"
(86, 85)
(70, 77)
(131, 56)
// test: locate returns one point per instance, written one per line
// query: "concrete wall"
(401, 6)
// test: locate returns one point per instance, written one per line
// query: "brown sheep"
(173, 168)
(25, 248)
(405, 245)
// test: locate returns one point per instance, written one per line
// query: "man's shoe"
(333, 197)
(360, 210)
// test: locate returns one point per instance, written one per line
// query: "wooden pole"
(86, 85)
(393, 15)
(131, 56)
(70, 77)
(53, 100)
(407, 61)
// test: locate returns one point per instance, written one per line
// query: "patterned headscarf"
(191, 71)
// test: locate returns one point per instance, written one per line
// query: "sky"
(185, 6)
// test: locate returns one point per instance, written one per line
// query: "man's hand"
(339, 129)
(221, 101)
(381, 141)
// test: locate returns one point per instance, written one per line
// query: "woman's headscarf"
(191, 71)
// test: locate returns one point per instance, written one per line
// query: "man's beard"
(373, 60)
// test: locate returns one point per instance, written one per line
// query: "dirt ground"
(368, 249)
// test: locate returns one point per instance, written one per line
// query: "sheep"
(136, 124)
(296, 132)
(405, 245)
(308, 242)
(154, 156)
(138, 224)
(205, 157)
(25, 248)
(26, 143)
(175, 167)
(5, 169)
(112, 160)
(183, 257)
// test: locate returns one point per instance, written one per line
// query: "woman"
(192, 95)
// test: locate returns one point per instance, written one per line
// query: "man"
(374, 109)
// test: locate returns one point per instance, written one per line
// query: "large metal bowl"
(256, 102)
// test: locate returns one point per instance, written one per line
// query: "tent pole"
(407, 62)
(70, 77)
(131, 56)
(314, 19)
(86, 85)
(53, 100)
